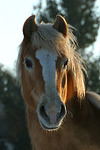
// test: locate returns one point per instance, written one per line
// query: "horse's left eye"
(28, 63)
(65, 64)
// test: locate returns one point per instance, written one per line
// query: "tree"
(14, 120)
(93, 80)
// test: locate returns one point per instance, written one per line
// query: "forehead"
(47, 60)
(48, 38)
(46, 55)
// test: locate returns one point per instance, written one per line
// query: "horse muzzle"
(51, 113)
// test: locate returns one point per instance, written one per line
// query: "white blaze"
(48, 62)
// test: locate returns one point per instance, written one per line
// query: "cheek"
(26, 90)
(62, 86)
(32, 87)
(71, 88)
(63, 81)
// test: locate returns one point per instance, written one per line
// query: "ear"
(60, 25)
(29, 27)
(94, 99)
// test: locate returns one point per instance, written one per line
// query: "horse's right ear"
(29, 27)
(60, 25)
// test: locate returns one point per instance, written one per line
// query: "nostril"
(51, 115)
(62, 112)
(43, 113)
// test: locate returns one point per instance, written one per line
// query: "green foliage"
(93, 81)
(14, 121)
(82, 16)
(47, 14)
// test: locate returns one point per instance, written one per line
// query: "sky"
(13, 13)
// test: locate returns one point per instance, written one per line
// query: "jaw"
(52, 128)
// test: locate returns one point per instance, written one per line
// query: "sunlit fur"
(75, 131)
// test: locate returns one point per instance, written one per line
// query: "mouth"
(48, 128)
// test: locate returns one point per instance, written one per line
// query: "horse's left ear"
(60, 25)
(29, 27)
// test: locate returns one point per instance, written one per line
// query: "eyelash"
(28, 63)
(65, 64)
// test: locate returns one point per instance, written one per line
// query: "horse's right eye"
(28, 63)
(65, 64)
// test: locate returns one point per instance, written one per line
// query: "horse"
(61, 113)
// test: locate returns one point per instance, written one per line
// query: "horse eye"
(65, 64)
(28, 63)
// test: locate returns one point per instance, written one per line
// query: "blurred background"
(84, 15)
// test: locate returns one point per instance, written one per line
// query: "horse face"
(44, 86)
(46, 79)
